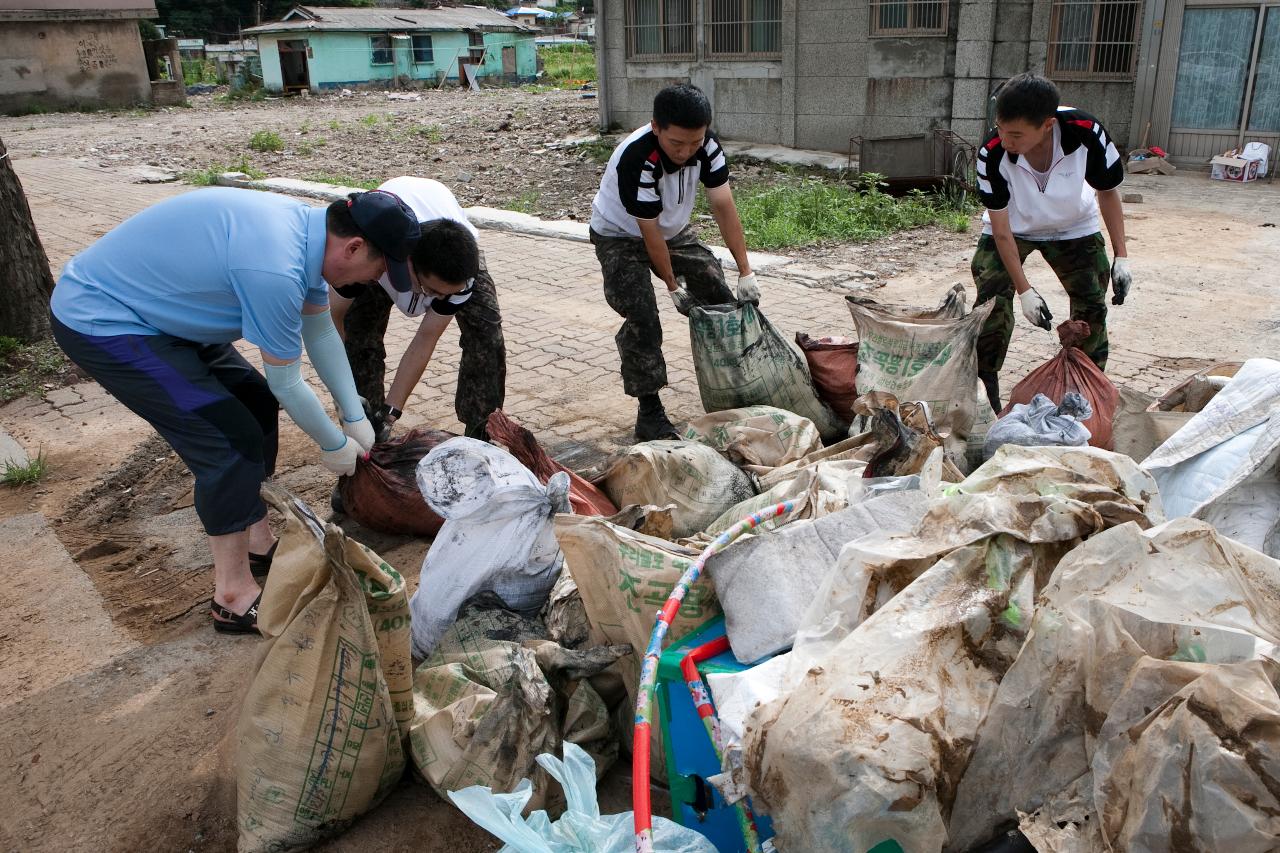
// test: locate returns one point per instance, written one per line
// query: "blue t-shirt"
(211, 266)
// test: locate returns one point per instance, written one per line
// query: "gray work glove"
(342, 460)
(1035, 309)
(681, 298)
(1121, 280)
(748, 290)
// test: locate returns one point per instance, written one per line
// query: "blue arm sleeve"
(329, 358)
(297, 398)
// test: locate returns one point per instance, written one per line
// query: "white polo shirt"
(641, 182)
(1062, 203)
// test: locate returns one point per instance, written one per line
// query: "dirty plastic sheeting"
(1145, 699)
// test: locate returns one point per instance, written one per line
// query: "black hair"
(339, 222)
(683, 105)
(1029, 97)
(447, 250)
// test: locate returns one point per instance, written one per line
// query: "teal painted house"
(322, 47)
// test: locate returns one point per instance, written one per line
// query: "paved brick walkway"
(563, 368)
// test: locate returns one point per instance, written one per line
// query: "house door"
(1226, 88)
(509, 62)
(293, 65)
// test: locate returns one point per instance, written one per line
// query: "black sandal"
(236, 623)
(260, 564)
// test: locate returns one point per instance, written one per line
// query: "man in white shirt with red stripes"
(640, 224)
(1044, 174)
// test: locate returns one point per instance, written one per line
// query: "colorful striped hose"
(649, 677)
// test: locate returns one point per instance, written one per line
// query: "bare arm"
(416, 358)
(659, 255)
(1008, 249)
(726, 215)
(1113, 217)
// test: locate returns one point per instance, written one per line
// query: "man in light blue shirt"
(152, 309)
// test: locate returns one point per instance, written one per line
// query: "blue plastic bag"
(581, 829)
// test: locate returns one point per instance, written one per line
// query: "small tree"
(24, 310)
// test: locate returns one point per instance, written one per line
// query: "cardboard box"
(1238, 169)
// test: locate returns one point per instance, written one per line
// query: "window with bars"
(737, 28)
(423, 51)
(1093, 39)
(909, 17)
(381, 48)
(475, 47)
(659, 29)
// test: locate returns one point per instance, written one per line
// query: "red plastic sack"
(585, 498)
(383, 493)
(833, 364)
(1072, 370)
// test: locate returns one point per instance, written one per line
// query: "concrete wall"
(51, 64)
(346, 59)
(836, 81)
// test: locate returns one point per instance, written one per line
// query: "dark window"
(744, 28)
(422, 52)
(1093, 39)
(381, 47)
(659, 28)
(909, 17)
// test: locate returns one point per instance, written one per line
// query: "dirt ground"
(90, 760)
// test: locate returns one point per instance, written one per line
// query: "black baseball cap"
(392, 227)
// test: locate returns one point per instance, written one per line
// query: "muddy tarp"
(585, 498)
(924, 355)
(319, 735)
(742, 360)
(766, 582)
(906, 643)
(697, 481)
(383, 493)
(756, 436)
(496, 693)
(1142, 712)
(1224, 465)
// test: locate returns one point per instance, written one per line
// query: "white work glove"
(1035, 310)
(343, 460)
(1121, 280)
(361, 432)
(681, 299)
(748, 290)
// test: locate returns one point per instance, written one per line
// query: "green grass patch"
(431, 133)
(24, 475)
(27, 368)
(791, 210)
(371, 120)
(343, 180)
(266, 141)
(568, 64)
(208, 176)
(599, 150)
(526, 202)
(250, 92)
(537, 88)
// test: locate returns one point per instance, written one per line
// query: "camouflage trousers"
(482, 376)
(630, 292)
(1081, 265)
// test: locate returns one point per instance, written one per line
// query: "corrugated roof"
(322, 18)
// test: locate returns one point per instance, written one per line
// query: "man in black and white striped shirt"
(640, 224)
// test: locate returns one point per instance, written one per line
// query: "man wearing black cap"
(151, 311)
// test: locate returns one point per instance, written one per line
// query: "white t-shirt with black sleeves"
(641, 182)
(1062, 203)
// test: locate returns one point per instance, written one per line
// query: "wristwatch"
(393, 413)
